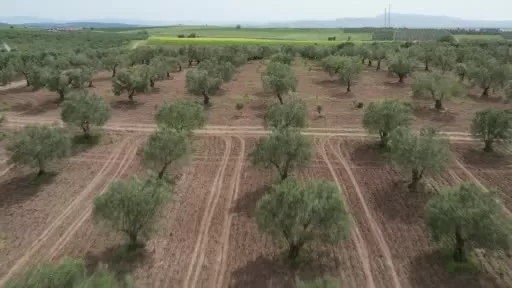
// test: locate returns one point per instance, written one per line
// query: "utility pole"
(385, 18)
(389, 15)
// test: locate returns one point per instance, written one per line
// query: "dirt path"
(65, 237)
(13, 85)
(357, 237)
(66, 214)
(220, 269)
(200, 246)
(377, 233)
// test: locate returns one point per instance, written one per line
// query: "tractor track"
(198, 255)
(374, 227)
(50, 230)
(123, 165)
(220, 269)
(357, 238)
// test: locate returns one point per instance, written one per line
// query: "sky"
(244, 11)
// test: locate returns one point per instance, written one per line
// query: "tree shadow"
(80, 143)
(16, 90)
(246, 205)
(262, 272)
(47, 105)
(428, 271)
(369, 153)
(126, 105)
(327, 83)
(480, 99)
(428, 113)
(118, 258)
(21, 188)
(396, 203)
(477, 157)
(395, 84)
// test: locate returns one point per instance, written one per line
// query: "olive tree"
(492, 125)
(418, 153)
(131, 80)
(425, 53)
(132, 207)
(85, 109)
(217, 69)
(165, 147)
(36, 145)
(68, 273)
(488, 74)
(385, 116)
(279, 78)
(114, 59)
(437, 86)
(348, 70)
(182, 115)
(445, 58)
(282, 58)
(379, 54)
(301, 214)
(284, 149)
(466, 218)
(293, 113)
(58, 82)
(461, 70)
(202, 83)
(401, 64)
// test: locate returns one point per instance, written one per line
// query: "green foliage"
(132, 207)
(301, 214)
(285, 149)
(165, 147)
(401, 64)
(201, 82)
(379, 53)
(67, 273)
(437, 86)
(84, 109)
(383, 35)
(445, 58)
(326, 282)
(282, 58)
(348, 70)
(293, 113)
(385, 116)
(131, 80)
(216, 69)
(466, 218)
(114, 59)
(36, 145)
(487, 72)
(406, 34)
(182, 116)
(491, 125)
(279, 78)
(239, 106)
(419, 153)
(461, 70)
(426, 52)
(58, 82)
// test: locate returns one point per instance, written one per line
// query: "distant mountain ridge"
(397, 20)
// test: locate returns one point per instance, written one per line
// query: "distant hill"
(80, 25)
(397, 20)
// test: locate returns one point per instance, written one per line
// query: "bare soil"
(208, 235)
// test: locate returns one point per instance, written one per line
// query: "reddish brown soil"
(315, 86)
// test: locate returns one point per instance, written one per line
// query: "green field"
(166, 40)
(257, 33)
(477, 37)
